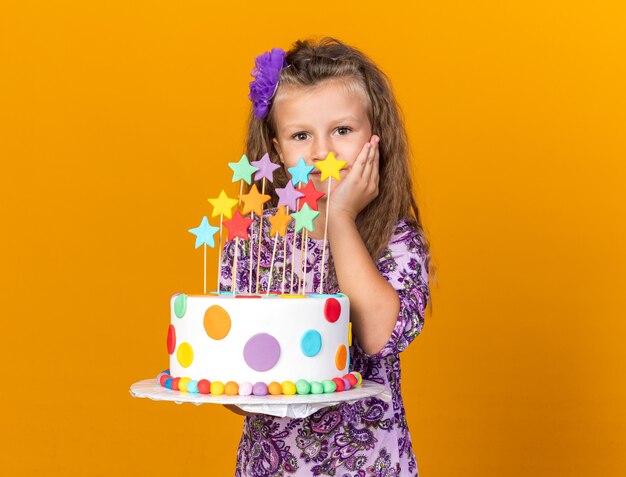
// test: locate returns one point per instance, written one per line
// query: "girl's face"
(313, 121)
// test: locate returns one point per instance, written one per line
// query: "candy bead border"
(231, 388)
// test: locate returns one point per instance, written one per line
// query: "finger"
(375, 175)
(367, 167)
(361, 160)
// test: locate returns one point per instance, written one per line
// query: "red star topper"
(237, 226)
(311, 196)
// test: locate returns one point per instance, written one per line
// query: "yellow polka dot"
(340, 357)
(185, 355)
(216, 322)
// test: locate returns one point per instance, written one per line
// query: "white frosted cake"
(252, 344)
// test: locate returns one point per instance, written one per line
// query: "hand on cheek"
(360, 185)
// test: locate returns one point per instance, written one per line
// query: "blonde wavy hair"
(313, 62)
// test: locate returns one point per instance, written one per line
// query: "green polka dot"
(180, 305)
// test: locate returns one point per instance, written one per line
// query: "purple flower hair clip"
(266, 74)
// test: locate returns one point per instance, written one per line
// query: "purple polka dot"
(261, 352)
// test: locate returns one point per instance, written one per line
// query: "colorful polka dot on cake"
(171, 339)
(311, 343)
(185, 355)
(217, 322)
(332, 310)
(180, 305)
(261, 352)
(341, 357)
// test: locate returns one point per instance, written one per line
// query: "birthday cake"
(277, 342)
(252, 344)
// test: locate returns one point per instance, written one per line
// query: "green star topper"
(305, 218)
(242, 170)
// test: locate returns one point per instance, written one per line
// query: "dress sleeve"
(404, 266)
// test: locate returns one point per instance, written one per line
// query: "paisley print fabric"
(365, 439)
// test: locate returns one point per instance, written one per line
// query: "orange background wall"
(117, 120)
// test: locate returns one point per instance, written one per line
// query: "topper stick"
(219, 257)
(302, 261)
(250, 267)
(293, 248)
(325, 234)
(282, 288)
(258, 256)
(205, 269)
(234, 270)
(306, 256)
(269, 281)
(234, 285)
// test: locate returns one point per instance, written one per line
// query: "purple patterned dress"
(369, 437)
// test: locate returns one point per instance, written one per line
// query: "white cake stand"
(296, 406)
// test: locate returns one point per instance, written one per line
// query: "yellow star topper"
(279, 222)
(253, 201)
(223, 205)
(330, 167)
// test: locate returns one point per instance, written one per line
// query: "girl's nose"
(321, 148)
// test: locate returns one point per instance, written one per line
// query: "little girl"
(318, 98)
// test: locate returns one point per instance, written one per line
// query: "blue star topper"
(300, 172)
(204, 233)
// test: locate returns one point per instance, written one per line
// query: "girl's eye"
(301, 136)
(343, 130)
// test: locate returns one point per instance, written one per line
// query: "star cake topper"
(288, 196)
(300, 172)
(242, 170)
(330, 167)
(253, 201)
(279, 222)
(237, 226)
(204, 233)
(305, 218)
(223, 205)
(311, 196)
(265, 168)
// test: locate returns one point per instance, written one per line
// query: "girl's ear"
(278, 150)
